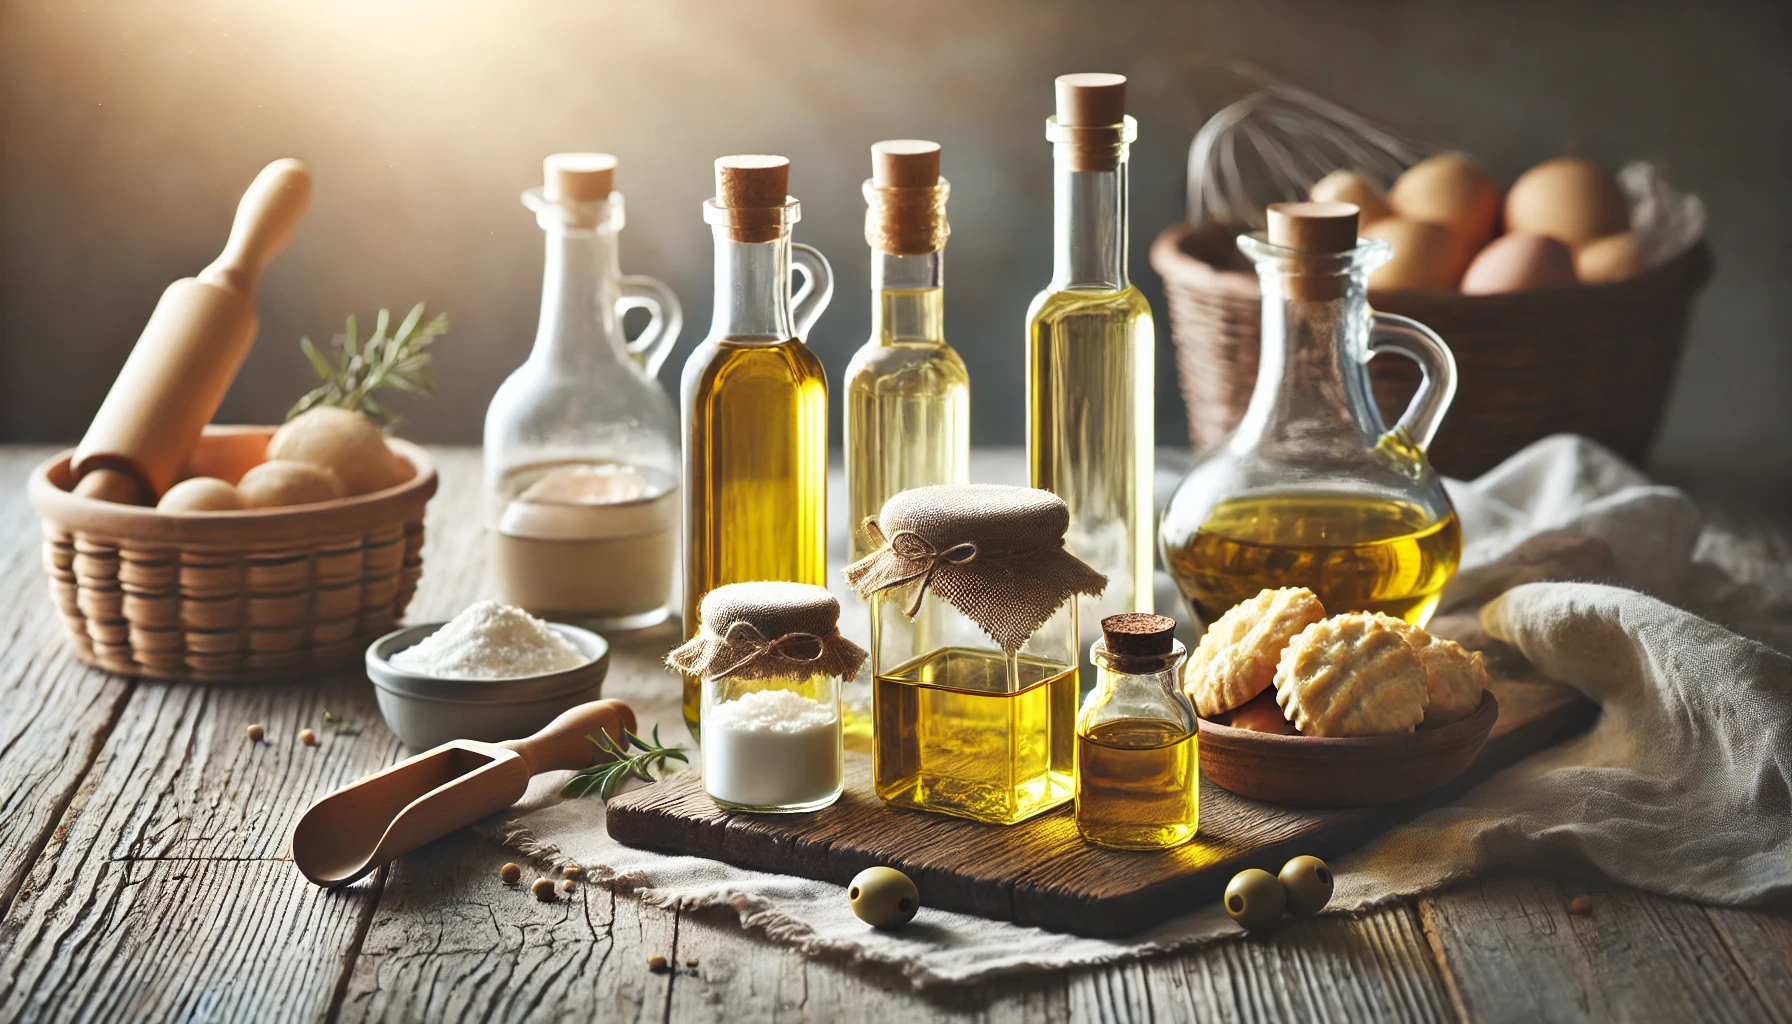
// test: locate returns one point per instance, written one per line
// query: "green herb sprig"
(354, 369)
(608, 778)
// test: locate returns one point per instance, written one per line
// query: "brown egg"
(285, 482)
(1568, 199)
(200, 494)
(1261, 714)
(1519, 263)
(1612, 258)
(1355, 188)
(1452, 190)
(1424, 255)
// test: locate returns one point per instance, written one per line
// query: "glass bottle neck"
(1089, 225)
(580, 286)
(1312, 376)
(906, 298)
(752, 289)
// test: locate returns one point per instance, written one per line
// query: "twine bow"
(798, 647)
(923, 559)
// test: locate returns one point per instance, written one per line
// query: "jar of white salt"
(771, 658)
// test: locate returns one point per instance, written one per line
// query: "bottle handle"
(1437, 388)
(817, 290)
(666, 320)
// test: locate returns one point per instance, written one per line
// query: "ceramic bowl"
(424, 711)
(1324, 771)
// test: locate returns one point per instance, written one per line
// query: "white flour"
(489, 640)
(771, 748)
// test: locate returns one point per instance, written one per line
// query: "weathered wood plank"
(451, 942)
(1761, 945)
(1511, 951)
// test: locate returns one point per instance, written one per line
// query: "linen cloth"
(1683, 786)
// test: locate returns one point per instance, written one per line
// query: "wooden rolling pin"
(195, 341)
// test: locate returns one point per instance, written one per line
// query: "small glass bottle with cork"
(973, 650)
(771, 658)
(1138, 777)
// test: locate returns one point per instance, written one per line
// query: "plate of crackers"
(1300, 707)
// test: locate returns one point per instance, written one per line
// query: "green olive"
(1308, 883)
(1255, 899)
(883, 897)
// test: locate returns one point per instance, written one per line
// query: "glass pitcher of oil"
(1313, 489)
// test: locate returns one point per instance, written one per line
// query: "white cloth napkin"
(1682, 786)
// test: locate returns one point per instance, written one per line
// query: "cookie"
(1236, 659)
(1454, 675)
(1351, 675)
(1260, 714)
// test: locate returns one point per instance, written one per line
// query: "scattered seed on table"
(1581, 905)
(511, 873)
(691, 962)
(255, 733)
(307, 737)
(543, 890)
(657, 963)
(568, 885)
(573, 871)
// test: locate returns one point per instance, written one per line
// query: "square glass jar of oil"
(962, 727)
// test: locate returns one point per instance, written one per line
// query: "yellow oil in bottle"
(976, 735)
(907, 425)
(1357, 553)
(1090, 433)
(756, 471)
(1138, 784)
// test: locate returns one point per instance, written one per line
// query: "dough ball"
(201, 494)
(279, 482)
(347, 443)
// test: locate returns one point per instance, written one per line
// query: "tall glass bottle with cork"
(581, 443)
(755, 402)
(1090, 347)
(907, 392)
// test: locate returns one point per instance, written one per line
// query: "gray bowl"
(424, 711)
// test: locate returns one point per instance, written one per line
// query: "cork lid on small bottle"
(1138, 641)
(578, 177)
(753, 189)
(1323, 231)
(906, 198)
(1090, 125)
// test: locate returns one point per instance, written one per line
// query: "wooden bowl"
(246, 596)
(1323, 771)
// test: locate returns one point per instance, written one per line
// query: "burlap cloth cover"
(767, 630)
(995, 553)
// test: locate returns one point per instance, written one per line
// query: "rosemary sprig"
(339, 725)
(608, 778)
(355, 369)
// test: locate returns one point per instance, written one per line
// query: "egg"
(1424, 255)
(1568, 199)
(1355, 188)
(1612, 258)
(1519, 263)
(285, 482)
(1452, 190)
(201, 494)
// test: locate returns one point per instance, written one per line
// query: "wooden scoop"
(183, 362)
(369, 823)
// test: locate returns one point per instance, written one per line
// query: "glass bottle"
(581, 442)
(907, 392)
(1313, 489)
(1090, 351)
(1138, 768)
(973, 650)
(755, 402)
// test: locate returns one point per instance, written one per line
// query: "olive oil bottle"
(1090, 349)
(755, 403)
(1138, 769)
(907, 392)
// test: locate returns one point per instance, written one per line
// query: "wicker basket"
(231, 597)
(1594, 360)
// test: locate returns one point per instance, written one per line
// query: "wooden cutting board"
(1040, 872)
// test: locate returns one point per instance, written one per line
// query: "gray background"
(130, 129)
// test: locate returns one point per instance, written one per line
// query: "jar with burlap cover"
(768, 630)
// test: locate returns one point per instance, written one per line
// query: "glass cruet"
(581, 442)
(1313, 489)
(1138, 776)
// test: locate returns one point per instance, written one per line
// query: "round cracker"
(1454, 675)
(1351, 675)
(1236, 658)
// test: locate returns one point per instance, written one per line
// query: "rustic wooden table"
(144, 876)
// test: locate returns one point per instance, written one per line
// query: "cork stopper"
(1138, 634)
(578, 177)
(1318, 228)
(905, 200)
(1091, 99)
(754, 189)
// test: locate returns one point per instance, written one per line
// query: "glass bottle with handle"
(755, 402)
(1313, 489)
(581, 442)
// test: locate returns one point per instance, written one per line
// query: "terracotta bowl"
(1321, 771)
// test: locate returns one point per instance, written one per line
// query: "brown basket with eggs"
(1565, 299)
(182, 551)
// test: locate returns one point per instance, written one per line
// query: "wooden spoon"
(371, 822)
